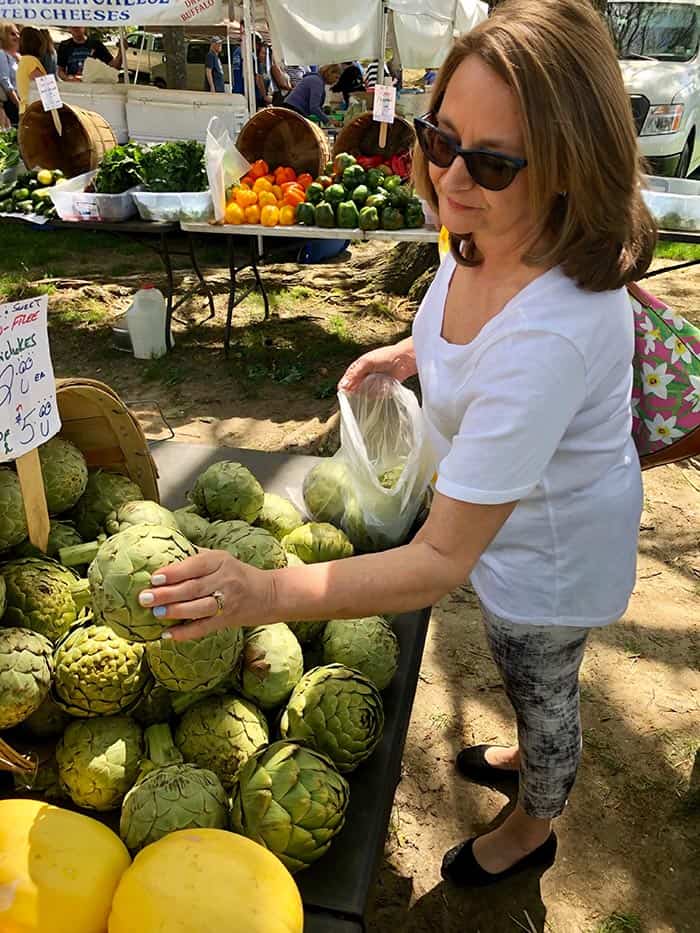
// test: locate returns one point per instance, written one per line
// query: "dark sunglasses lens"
(491, 172)
(436, 148)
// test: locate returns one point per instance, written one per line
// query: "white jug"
(145, 320)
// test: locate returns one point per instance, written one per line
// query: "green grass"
(679, 251)
(80, 311)
(620, 923)
(14, 287)
(167, 373)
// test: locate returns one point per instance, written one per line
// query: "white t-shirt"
(537, 409)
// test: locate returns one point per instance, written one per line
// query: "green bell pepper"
(353, 176)
(348, 215)
(360, 194)
(342, 161)
(325, 215)
(392, 219)
(328, 168)
(392, 182)
(369, 218)
(314, 193)
(380, 201)
(399, 197)
(375, 177)
(414, 213)
(335, 194)
(306, 214)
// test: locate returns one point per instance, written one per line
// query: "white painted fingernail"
(160, 611)
(146, 599)
(158, 579)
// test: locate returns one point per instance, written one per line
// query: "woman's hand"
(214, 589)
(398, 361)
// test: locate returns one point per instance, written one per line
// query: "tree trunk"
(407, 269)
(176, 57)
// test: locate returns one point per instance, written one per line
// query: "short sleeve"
(102, 52)
(62, 54)
(523, 394)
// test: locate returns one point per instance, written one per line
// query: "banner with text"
(107, 13)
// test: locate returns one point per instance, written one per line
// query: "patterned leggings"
(539, 665)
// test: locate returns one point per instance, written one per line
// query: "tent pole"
(249, 52)
(125, 60)
(231, 17)
(381, 79)
(138, 60)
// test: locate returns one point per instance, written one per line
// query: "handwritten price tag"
(28, 410)
(384, 103)
(48, 92)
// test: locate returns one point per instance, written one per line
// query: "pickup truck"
(144, 50)
(657, 44)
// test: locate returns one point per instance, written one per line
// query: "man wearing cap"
(213, 68)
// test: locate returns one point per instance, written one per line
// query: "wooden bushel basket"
(361, 137)
(284, 137)
(85, 139)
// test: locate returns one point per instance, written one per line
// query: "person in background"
(429, 77)
(350, 80)
(371, 72)
(281, 85)
(4, 120)
(295, 73)
(31, 44)
(9, 61)
(49, 58)
(309, 95)
(263, 93)
(238, 86)
(213, 69)
(73, 52)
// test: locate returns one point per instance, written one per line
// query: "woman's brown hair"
(31, 42)
(584, 166)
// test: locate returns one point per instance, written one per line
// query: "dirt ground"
(629, 840)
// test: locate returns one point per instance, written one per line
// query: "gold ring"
(219, 597)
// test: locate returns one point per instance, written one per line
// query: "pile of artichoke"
(249, 730)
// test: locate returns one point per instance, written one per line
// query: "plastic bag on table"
(375, 485)
(225, 165)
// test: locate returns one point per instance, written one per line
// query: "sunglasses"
(491, 170)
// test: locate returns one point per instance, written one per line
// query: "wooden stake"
(35, 508)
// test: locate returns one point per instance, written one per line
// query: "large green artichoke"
(46, 722)
(326, 490)
(316, 542)
(13, 521)
(253, 546)
(228, 490)
(366, 645)
(98, 760)
(97, 673)
(221, 732)
(278, 516)
(104, 493)
(191, 524)
(26, 667)
(43, 596)
(139, 512)
(123, 568)
(61, 535)
(292, 800)
(65, 474)
(338, 712)
(155, 705)
(170, 795)
(272, 665)
(196, 665)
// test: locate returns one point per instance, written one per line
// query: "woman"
(9, 60)
(49, 56)
(309, 96)
(31, 46)
(523, 345)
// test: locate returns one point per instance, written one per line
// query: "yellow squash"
(58, 869)
(204, 881)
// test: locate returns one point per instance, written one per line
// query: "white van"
(657, 46)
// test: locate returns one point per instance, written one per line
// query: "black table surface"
(127, 227)
(336, 889)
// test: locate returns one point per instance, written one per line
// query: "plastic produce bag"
(225, 165)
(375, 485)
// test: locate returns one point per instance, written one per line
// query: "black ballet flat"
(472, 764)
(461, 867)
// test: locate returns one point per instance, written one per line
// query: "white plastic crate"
(170, 206)
(674, 202)
(72, 202)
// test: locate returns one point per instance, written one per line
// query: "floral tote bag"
(666, 388)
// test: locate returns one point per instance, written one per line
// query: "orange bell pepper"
(244, 197)
(285, 186)
(294, 196)
(247, 181)
(234, 213)
(304, 180)
(259, 169)
(277, 191)
(252, 214)
(287, 215)
(265, 198)
(284, 173)
(270, 215)
(262, 184)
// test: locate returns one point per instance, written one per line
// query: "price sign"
(384, 103)
(28, 410)
(48, 91)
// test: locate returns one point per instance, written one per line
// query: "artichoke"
(253, 546)
(139, 512)
(123, 567)
(61, 535)
(44, 783)
(46, 722)
(336, 711)
(170, 795)
(198, 664)
(365, 645)
(98, 760)
(272, 665)
(97, 673)
(155, 705)
(13, 521)
(326, 490)
(291, 800)
(191, 524)
(221, 733)
(43, 596)
(26, 667)
(228, 490)
(317, 542)
(389, 478)
(307, 632)
(65, 474)
(278, 516)
(104, 493)
(3, 597)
